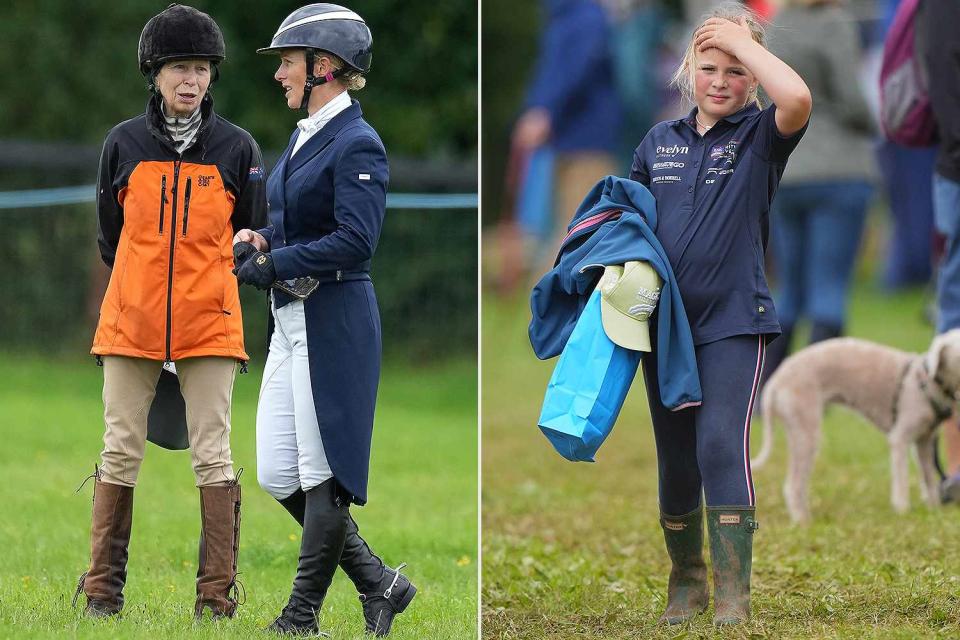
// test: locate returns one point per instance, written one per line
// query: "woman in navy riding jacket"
(327, 199)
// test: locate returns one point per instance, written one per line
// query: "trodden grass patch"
(574, 550)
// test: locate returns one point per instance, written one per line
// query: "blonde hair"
(683, 77)
(353, 80)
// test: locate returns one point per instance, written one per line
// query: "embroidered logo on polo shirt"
(657, 166)
(673, 150)
(726, 153)
(661, 179)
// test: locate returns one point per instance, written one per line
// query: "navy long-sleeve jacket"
(616, 224)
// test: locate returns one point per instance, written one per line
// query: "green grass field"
(422, 510)
(574, 550)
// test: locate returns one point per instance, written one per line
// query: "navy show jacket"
(326, 208)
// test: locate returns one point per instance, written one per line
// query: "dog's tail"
(766, 407)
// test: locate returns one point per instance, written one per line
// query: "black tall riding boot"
(383, 591)
(324, 528)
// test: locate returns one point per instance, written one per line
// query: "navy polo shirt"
(713, 202)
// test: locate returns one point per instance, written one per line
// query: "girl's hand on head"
(722, 34)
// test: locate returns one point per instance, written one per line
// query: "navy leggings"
(708, 447)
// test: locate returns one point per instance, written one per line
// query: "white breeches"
(290, 451)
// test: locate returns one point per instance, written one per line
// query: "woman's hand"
(723, 34)
(254, 238)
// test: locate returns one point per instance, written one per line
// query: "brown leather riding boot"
(109, 539)
(219, 543)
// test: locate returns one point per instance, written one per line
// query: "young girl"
(714, 174)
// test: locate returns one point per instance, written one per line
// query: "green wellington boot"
(687, 593)
(731, 549)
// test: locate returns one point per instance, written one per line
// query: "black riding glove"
(241, 253)
(258, 270)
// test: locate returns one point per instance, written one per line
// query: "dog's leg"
(929, 480)
(899, 469)
(803, 438)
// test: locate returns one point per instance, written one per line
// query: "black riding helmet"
(325, 27)
(179, 32)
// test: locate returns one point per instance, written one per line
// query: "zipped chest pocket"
(186, 205)
(163, 201)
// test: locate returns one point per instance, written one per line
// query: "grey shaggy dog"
(905, 395)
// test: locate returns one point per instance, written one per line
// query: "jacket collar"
(324, 137)
(156, 125)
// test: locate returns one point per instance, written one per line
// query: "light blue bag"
(587, 388)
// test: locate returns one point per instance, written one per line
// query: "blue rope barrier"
(86, 193)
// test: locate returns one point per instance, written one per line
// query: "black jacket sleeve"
(250, 210)
(109, 211)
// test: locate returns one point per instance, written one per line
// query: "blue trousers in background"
(906, 174)
(707, 448)
(816, 235)
(946, 207)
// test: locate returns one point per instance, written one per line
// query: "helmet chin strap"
(314, 81)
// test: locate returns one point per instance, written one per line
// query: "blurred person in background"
(327, 197)
(713, 174)
(821, 205)
(939, 49)
(914, 246)
(174, 186)
(572, 106)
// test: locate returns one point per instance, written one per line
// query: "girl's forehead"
(717, 57)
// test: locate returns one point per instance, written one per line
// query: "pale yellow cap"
(628, 296)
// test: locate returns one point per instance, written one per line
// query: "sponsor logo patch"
(668, 165)
(730, 519)
(204, 181)
(672, 150)
(726, 153)
(363, 176)
(659, 179)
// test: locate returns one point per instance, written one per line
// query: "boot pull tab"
(237, 592)
(95, 475)
(752, 525)
(99, 360)
(79, 590)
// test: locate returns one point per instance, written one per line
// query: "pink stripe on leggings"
(746, 423)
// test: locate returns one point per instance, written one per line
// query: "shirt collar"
(325, 113)
(734, 118)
